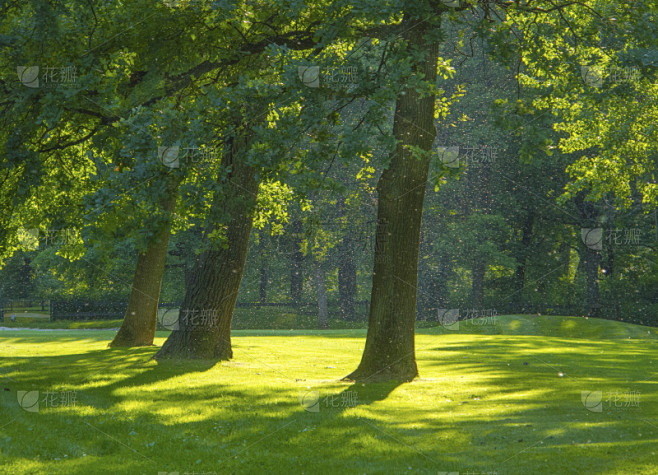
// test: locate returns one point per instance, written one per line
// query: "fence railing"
(87, 310)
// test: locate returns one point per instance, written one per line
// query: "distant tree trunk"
(297, 262)
(565, 252)
(139, 322)
(347, 289)
(590, 257)
(262, 291)
(433, 274)
(477, 286)
(440, 289)
(323, 311)
(389, 348)
(522, 258)
(205, 316)
(592, 264)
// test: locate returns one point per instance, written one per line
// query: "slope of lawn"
(518, 394)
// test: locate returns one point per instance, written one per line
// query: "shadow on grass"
(136, 416)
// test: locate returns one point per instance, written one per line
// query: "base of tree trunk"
(187, 345)
(127, 341)
(404, 370)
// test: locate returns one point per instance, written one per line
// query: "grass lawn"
(517, 395)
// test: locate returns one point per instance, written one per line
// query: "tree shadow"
(264, 425)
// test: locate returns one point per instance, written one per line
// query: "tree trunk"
(347, 278)
(139, 322)
(296, 264)
(204, 326)
(477, 287)
(592, 263)
(522, 258)
(262, 290)
(590, 259)
(440, 284)
(389, 349)
(323, 312)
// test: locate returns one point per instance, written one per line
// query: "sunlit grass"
(503, 397)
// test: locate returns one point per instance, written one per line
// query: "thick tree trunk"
(389, 349)
(138, 327)
(205, 317)
(347, 278)
(296, 263)
(323, 310)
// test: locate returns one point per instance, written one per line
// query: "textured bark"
(139, 322)
(389, 350)
(207, 311)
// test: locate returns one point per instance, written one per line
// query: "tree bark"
(139, 322)
(389, 353)
(204, 326)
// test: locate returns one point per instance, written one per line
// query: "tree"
(389, 349)
(139, 322)
(204, 325)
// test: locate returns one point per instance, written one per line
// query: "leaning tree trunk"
(204, 324)
(139, 322)
(389, 349)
